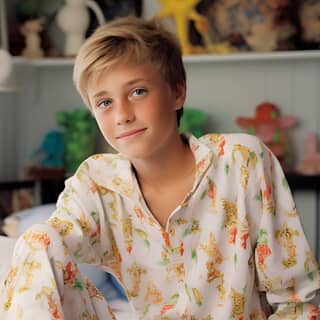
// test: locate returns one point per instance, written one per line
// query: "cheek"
(104, 124)
(159, 109)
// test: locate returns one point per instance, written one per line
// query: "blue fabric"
(106, 283)
(118, 286)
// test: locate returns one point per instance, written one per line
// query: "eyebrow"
(127, 84)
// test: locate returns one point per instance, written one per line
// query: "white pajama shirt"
(233, 249)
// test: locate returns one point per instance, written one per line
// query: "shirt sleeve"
(80, 219)
(286, 268)
(43, 281)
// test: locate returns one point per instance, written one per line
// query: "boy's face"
(135, 109)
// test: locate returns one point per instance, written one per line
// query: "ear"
(180, 96)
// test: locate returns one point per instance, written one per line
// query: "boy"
(193, 229)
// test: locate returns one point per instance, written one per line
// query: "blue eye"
(104, 103)
(139, 91)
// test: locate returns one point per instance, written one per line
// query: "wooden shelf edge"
(254, 56)
(44, 62)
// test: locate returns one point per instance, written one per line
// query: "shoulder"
(232, 141)
(237, 151)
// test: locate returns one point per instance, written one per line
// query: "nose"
(124, 113)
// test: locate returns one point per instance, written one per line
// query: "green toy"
(80, 132)
(193, 120)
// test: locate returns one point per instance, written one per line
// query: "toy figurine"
(31, 30)
(271, 128)
(183, 11)
(310, 164)
(75, 29)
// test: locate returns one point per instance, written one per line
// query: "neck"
(177, 161)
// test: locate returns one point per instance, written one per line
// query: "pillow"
(19, 222)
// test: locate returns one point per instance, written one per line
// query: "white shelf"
(44, 62)
(196, 58)
(254, 56)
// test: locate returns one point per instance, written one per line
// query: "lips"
(130, 133)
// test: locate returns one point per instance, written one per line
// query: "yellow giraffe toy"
(182, 11)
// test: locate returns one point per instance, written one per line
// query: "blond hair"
(130, 40)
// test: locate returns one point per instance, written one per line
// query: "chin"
(134, 149)
(137, 152)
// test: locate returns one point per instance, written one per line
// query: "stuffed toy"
(182, 12)
(271, 128)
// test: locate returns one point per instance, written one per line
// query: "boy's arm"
(286, 268)
(43, 275)
(80, 218)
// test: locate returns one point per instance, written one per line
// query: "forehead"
(122, 75)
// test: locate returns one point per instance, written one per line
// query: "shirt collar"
(204, 157)
(121, 178)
